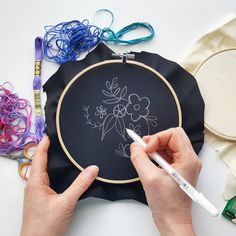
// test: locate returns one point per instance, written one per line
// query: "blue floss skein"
(66, 41)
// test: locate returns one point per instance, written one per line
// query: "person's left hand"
(46, 212)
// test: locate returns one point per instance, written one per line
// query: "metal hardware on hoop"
(124, 56)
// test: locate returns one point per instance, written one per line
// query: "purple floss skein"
(37, 86)
(15, 122)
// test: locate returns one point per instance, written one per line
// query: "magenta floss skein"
(37, 86)
(15, 121)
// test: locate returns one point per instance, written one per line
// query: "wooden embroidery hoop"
(208, 126)
(112, 181)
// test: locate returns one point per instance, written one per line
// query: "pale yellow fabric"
(223, 37)
(217, 81)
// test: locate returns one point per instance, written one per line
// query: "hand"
(46, 212)
(170, 206)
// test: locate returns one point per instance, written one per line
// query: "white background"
(178, 25)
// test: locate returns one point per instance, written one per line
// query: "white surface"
(178, 24)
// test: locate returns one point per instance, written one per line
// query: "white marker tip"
(129, 131)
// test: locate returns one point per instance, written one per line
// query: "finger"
(184, 137)
(147, 138)
(164, 151)
(150, 137)
(160, 145)
(81, 183)
(39, 160)
(172, 139)
(166, 155)
(141, 162)
(152, 144)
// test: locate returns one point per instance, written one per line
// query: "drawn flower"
(135, 128)
(137, 107)
(119, 110)
(101, 111)
(123, 150)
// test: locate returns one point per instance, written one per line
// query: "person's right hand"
(170, 206)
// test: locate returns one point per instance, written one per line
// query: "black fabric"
(96, 115)
(62, 172)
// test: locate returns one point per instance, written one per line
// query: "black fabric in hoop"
(92, 120)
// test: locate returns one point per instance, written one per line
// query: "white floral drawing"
(121, 105)
(100, 111)
(88, 119)
(123, 150)
(135, 128)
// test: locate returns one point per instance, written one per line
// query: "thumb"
(145, 168)
(81, 183)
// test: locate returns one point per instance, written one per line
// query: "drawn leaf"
(108, 125)
(117, 91)
(152, 122)
(108, 85)
(120, 127)
(152, 117)
(118, 152)
(120, 146)
(106, 93)
(111, 101)
(86, 108)
(114, 86)
(114, 79)
(123, 92)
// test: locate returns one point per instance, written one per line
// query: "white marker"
(183, 183)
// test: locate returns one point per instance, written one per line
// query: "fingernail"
(92, 170)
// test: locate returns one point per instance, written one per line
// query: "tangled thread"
(15, 114)
(66, 41)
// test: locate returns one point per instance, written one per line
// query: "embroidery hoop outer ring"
(112, 181)
(208, 126)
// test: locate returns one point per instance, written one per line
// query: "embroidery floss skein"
(66, 41)
(37, 86)
(15, 121)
